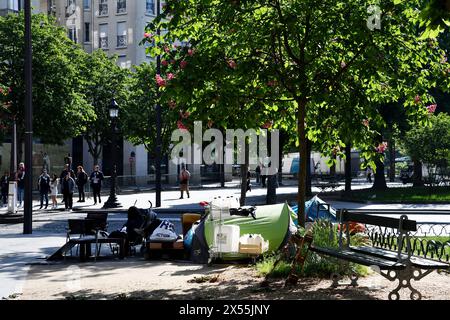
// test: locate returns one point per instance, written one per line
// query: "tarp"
(316, 208)
(273, 223)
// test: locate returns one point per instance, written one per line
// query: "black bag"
(244, 211)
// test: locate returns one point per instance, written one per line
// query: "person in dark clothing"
(44, 187)
(249, 185)
(258, 174)
(4, 182)
(68, 187)
(67, 171)
(20, 178)
(68, 161)
(82, 179)
(96, 183)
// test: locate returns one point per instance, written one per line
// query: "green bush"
(325, 235)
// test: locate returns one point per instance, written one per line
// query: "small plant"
(325, 234)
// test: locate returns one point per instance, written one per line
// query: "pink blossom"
(175, 46)
(432, 108)
(165, 63)
(166, 49)
(183, 64)
(180, 125)
(170, 76)
(366, 122)
(190, 52)
(417, 99)
(267, 124)
(148, 35)
(1, 90)
(160, 81)
(382, 147)
(232, 64)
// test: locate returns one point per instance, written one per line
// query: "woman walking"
(68, 186)
(185, 175)
(20, 178)
(54, 191)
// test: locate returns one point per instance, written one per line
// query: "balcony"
(103, 43)
(122, 41)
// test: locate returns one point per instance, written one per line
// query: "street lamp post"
(112, 201)
(28, 200)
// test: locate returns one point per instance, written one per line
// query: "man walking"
(4, 182)
(44, 187)
(82, 179)
(96, 183)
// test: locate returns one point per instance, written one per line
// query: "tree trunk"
(244, 170)
(301, 197)
(280, 160)
(308, 166)
(417, 176)
(348, 167)
(379, 182)
(333, 168)
(392, 160)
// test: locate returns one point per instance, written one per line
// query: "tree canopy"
(60, 110)
(300, 60)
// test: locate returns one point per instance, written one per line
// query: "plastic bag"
(165, 232)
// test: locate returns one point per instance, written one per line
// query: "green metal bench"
(398, 265)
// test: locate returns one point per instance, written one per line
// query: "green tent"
(273, 222)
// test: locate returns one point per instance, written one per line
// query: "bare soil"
(137, 279)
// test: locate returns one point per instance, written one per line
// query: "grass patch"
(406, 195)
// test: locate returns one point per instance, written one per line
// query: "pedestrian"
(258, 174)
(81, 180)
(65, 171)
(4, 182)
(45, 161)
(68, 161)
(185, 175)
(54, 191)
(249, 185)
(44, 181)
(96, 183)
(68, 187)
(369, 174)
(20, 178)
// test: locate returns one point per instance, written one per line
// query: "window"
(72, 32)
(103, 8)
(121, 6)
(150, 6)
(87, 32)
(121, 34)
(87, 4)
(103, 36)
(123, 62)
(71, 7)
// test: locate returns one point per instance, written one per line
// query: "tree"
(431, 144)
(138, 118)
(104, 81)
(60, 110)
(301, 56)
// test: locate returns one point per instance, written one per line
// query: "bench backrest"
(367, 217)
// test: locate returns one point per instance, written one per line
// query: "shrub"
(325, 234)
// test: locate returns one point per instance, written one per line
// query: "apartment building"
(12, 6)
(115, 26)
